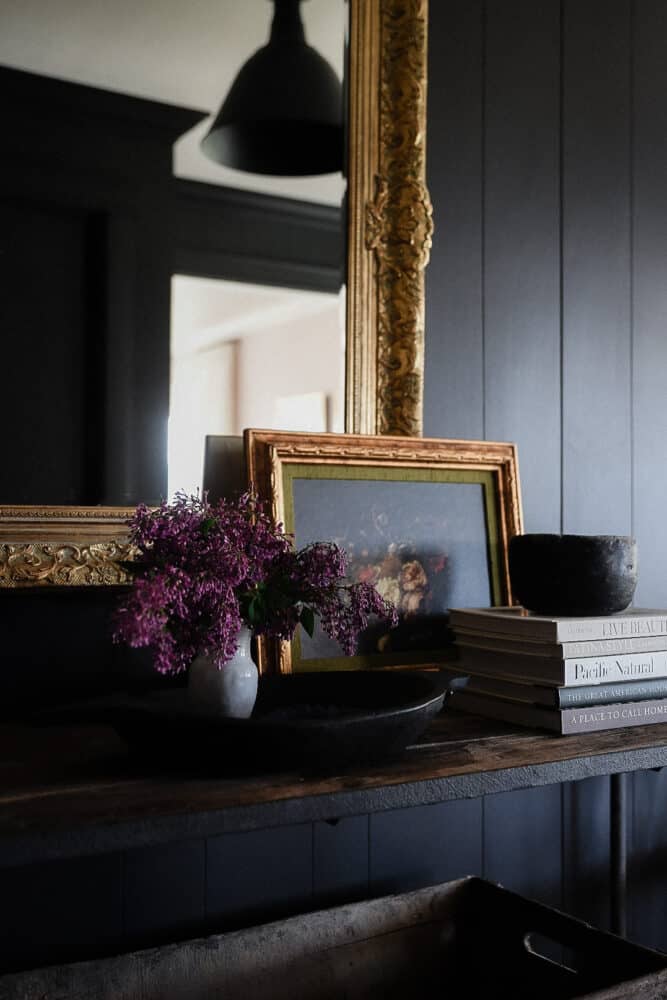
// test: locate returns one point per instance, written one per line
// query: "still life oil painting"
(422, 544)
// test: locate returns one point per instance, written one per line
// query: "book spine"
(601, 694)
(615, 716)
(584, 672)
(613, 627)
(625, 625)
(614, 669)
(513, 667)
(565, 721)
(614, 647)
(563, 698)
(562, 650)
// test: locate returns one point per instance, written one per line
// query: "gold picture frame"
(389, 238)
(427, 520)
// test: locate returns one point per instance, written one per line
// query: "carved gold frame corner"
(64, 546)
(390, 217)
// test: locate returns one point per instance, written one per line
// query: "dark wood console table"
(67, 792)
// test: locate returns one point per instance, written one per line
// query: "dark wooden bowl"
(573, 574)
(310, 721)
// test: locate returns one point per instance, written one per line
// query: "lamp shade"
(284, 112)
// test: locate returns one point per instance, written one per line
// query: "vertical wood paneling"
(120, 417)
(586, 889)
(340, 860)
(522, 842)
(648, 860)
(454, 350)
(647, 870)
(521, 323)
(521, 240)
(597, 341)
(596, 266)
(410, 848)
(61, 911)
(44, 337)
(164, 892)
(151, 352)
(258, 876)
(650, 299)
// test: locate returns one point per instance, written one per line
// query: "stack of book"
(570, 675)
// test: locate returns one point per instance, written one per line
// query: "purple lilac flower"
(203, 570)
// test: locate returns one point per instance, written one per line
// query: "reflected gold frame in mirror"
(64, 546)
(389, 238)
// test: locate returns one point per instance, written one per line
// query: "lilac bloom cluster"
(203, 570)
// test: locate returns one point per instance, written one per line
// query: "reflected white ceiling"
(184, 52)
(206, 311)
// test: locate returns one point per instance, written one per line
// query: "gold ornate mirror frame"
(389, 238)
(389, 217)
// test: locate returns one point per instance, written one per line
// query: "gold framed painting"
(428, 521)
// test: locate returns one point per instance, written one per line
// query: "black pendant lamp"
(284, 112)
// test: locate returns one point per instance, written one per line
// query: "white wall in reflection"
(247, 355)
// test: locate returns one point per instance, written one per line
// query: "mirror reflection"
(222, 333)
(273, 354)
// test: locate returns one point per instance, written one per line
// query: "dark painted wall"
(546, 309)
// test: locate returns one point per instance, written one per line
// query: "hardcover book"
(567, 697)
(588, 719)
(517, 621)
(499, 643)
(565, 673)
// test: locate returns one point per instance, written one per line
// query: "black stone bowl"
(573, 574)
(310, 721)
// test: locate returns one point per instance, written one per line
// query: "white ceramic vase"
(229, 692)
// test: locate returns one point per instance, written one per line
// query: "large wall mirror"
(386, 231)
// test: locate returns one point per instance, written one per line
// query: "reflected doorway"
(245, 355)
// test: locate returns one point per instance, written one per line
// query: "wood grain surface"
(74, 790)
